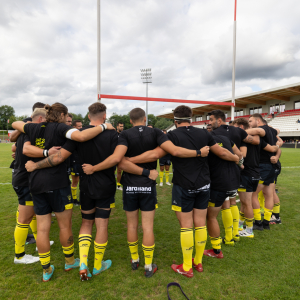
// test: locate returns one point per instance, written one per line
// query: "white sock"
(148, 267)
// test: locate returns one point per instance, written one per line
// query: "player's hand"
(109, 126)
(274, 159)
(54, 150)
(153, 174)
(237, 159)
(13, 155)
(204, 151)
(30, 166)
(88, 169)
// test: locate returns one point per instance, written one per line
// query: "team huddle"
(209, 169)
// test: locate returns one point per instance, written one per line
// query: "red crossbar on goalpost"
(166, 100)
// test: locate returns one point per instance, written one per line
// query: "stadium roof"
(260, 98)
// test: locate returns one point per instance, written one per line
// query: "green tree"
(77, 117)
(6, 112)
(152, 119)
(114, 119)
(163, 123)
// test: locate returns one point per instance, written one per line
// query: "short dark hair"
(70, 115)
(230, 122)
(96, 108)
(164, 130)
(75, 122)
(208, 125)
(38, 105)
(218, 114)
(120, 123)
(137, 114)
(183, 111)
(242, 121)
(150, 125)
(257, 116)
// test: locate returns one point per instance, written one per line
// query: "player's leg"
(227, 222)
(235, 218)
(167, 174)
(256, 207)
(119, 174)
(75, 181)
(161, 174)
(269, 203)
(246, 200)
(276, 210)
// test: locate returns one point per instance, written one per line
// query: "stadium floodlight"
(146, 77)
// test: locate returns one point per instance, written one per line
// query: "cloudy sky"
(49, 50)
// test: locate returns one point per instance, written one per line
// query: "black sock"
(217, 251)
(276, 216)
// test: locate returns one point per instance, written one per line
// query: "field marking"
(6, 183)
(290, 167)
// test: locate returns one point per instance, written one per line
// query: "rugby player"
(225, 178)
(139, 191)
(249, 178)
(20, 184)
(266, 170)
(164, 164)
(230, 211)
(191, 182)
(50, 188)
(120, 128)
(75, 167)
(209, 128)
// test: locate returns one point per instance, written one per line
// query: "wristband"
(104, 127)
(198, 152)
(241, 161)
(45, 153)
(145, 173)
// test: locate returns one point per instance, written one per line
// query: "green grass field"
(266, 267)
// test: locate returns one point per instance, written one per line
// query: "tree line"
(8, 113)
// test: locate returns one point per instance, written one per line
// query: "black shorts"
(277, 173)
(24, 195)
(143, 198)
(186, 200)
(87, 203)
(76, 169)
(267, 174)
(217, 198)
(164, 161)
(248, 184)
(56, 200)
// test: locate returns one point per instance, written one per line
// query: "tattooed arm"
(254, 140)
(48, 162)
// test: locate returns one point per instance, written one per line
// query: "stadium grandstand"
(280, 107)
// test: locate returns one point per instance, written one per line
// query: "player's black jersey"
(225, 175)
(20, 175)
(101, 184)
(271, 139)
(251, 161)
(45, 136)
(138, 140)
(191, 173)
(235, 134)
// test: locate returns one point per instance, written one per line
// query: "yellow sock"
(216, 242)
(84, 247)
(276, 208)
(167, 173)
(21, 232)
(235, 216)
(242, 216)
(134, 250)
(268, 214)
(161, 176)
(69, 254)
(118, 184)
(200, 242)
(148, 253)
(257, 215)
(99, 253)
(228, 223)
(45, 261)
(261, 199)
(74, 192)
(187, 246)
(249, 222)
(33, 226)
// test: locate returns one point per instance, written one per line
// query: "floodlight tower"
(146, 77)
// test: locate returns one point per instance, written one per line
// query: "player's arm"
(250, 139)
(129, 167)
(148, 156)
(14, 135)
(33, 151)
(237, 152)
(18, 125)
(274, 159)
(169, 147)
(279, 141)
(88, 134)
(256, 131)
(109, 162)
(14, 148)
(224, 153)
(48, 162)
(270, 148)
(243, 150)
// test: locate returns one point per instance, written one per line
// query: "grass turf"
(261, 268)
